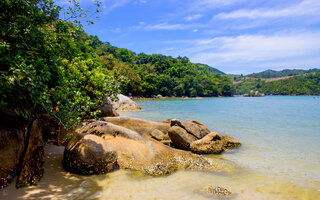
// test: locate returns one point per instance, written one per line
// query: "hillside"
(301, 84)
(276, 74)
(147, 75)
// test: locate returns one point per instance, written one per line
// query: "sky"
(234, 36)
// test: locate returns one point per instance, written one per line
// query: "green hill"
(148, 75)
(302, 84)
(275, 74)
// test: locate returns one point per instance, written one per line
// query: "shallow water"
(279, 158)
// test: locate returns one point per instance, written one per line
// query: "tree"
(47, 67)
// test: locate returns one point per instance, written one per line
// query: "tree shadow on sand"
(57, 183)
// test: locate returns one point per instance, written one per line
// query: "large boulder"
(216, 193)
(21, 151)
(180, 138)
(141, 126)
(87, 154)
(124, 103)
(146, 155)
(32, 163)
(108, 109)
(13, 133)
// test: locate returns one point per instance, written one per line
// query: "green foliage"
(275, 74)
(48, 65)
(304, 84)
(150, 75)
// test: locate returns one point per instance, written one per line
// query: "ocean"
(279, 157)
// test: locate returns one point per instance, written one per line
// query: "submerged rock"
(229, 142)
(87, 154)
(216, 192)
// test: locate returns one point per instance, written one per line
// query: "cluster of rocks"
(136, 144)
(100, 147)
(154, 148)
(193, 136)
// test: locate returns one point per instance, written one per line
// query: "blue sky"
(235, 36)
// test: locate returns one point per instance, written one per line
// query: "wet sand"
(124, 184)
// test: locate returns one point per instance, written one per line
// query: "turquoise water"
(279, 158)
(280, 134)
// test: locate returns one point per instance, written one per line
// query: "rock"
(159, 96)
(203, 129)
(180, 137)
(176, 122)
(100, 128)
(216, 192)
(53, 132)
(124, 103)
(108, 110)
(12, 138)
(229, 142)
(32, 163)
(141, 126)
(159, 135)
(87, 154)
(146, 155)
(193, 127)
(206, 147)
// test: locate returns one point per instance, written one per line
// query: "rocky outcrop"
(12, 143)
(124, 103)
(21, 151)
(87, 154)
(180, 134)
(139, 153)
(141, 126)
(32, 164)
(193, 136)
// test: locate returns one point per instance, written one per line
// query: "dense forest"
(52, 66)
(148, 75)
(302, 84)
(286, 72)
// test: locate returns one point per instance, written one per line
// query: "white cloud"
(209, 4)
(253, 51)
(166, 26)
(109, 5)
(304, 8)
(141, 1)
(193, 17)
